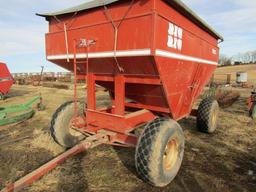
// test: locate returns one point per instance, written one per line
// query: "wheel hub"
(170, 154)
(74, 128)
(214, 117)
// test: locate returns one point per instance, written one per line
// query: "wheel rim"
(214, 117)
(170, 154)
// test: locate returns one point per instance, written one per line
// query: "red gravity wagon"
(154, 57)
(6, 80)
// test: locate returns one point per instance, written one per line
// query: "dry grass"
(250, 69)
(44, 140)
(226, 98)
(56, 85)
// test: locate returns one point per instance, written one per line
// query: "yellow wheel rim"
(214, 118)
(170, 154)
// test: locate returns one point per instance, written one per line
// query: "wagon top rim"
(177, 4)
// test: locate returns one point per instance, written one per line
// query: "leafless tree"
(245, 58)
(224, 60)
(254, 56)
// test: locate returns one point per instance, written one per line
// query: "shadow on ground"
(71, 177)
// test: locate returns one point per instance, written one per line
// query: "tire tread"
(204, 115)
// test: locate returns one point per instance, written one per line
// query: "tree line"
(238, 59)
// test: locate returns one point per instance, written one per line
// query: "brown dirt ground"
(218, 162)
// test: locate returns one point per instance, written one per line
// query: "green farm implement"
(21, 112)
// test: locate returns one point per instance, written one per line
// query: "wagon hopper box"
(158, 54)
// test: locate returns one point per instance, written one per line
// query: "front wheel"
(159, 152)
(61, 125)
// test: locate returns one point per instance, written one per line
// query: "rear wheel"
(207, 115)
(159, 152)
(61, 125)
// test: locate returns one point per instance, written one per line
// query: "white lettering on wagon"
(214, 51)
(175, 34)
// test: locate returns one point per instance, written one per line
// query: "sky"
(22, 44)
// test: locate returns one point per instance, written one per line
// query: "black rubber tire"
(150, 151)
(207, 115)
(60, 124)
